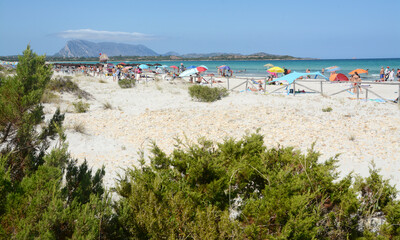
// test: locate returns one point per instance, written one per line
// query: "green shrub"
(207, 94)
(35, 201)
(328, 109)
(241, 190)
(81, 107)
(127, 83)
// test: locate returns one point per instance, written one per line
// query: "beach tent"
(291, 77)
(340, 77)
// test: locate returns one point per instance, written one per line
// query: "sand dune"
(359, 131)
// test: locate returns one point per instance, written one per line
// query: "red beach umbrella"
(175, 67)
(201, 69)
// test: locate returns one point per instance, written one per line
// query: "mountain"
(171, 54)
(81, 48)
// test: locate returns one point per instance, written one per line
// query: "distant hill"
(81, 48)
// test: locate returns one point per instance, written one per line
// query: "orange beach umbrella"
(359, 71)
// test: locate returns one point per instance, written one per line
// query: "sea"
(256, 68)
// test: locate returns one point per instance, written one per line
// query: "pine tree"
(21, 113)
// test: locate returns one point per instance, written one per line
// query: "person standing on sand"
(114, 75)
(323, 71)
(182, 68)
(308, 71)
(387, 70)
(382, 74)
(391, 75)
(398, 75)
(356, 81)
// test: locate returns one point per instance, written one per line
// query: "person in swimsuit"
(382, 74)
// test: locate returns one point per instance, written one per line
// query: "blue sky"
(320, 29)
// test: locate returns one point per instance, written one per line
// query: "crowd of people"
(386, 74)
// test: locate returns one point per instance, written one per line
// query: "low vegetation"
(207, 94)
(237, 189)
(107, 105)
(81, 107)
(127, 83)
(327, 109)
(50, 97)
(65, 84)
(79, 128)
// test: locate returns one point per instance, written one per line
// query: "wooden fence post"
(265, 85)
(247, 82)
(322, 93)
(398, 97)
(358, 91)
(228, 82)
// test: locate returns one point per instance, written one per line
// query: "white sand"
(360, 131)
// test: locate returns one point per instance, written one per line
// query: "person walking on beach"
(323, 71)
(356, 81)
(382, 74)
(387, 70)
(391, 75)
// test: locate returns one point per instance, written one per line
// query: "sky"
(317, 29)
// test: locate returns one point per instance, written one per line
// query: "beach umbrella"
(201, 69)
(143, 66)
(192, 66)
(163, 66)
(189, 72)
(272, 73)
(268, 65)
(332, 69)
(157, 64)
(121, 63)
(359, 71)
(127, 68)
(110, 64)
(276, 70)
(340, 77)
(174, 67)
(224, 67)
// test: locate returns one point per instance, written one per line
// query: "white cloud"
(89, 34)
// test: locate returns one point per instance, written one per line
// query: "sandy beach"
(360, 131)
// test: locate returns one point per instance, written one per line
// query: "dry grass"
(79, 128)
(107, 105)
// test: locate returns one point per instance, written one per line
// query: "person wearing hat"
(387, 71)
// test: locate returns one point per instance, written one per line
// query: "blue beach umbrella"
(143, 66)
(224, 67)
(163, 66)
(190, 67)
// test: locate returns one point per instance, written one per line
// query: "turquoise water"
(256, 68)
